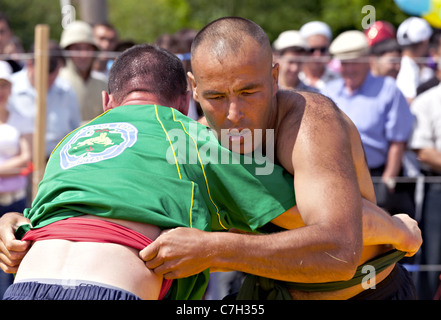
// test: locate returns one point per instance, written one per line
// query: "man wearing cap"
(413, 35)
(385, 50)
(14, 155)
(291, 51)
(79, 42)
(318, 37)
(435, 53)
(62, 110)
(377, 108)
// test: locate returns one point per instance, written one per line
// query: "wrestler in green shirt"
(151, 164)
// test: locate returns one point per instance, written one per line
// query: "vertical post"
(41, 87)
(93, 11)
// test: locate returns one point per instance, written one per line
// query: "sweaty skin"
(316, 143)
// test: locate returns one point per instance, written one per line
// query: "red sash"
(94, 230)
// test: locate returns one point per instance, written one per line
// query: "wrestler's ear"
(107, 100)
(193, 86)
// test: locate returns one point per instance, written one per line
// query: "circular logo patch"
(96, 143)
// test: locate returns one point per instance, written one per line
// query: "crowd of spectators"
(385, 79)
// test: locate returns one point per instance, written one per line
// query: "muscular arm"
(327, 192)
(379, 227)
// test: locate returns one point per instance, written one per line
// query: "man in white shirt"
(426, 142)
(413, 35)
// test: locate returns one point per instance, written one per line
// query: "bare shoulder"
(309, 108)
(306, 120)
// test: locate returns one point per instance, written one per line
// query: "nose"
(234, 111)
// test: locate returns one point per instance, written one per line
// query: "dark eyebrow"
(211, 93)
(250, 86)
(247, 87)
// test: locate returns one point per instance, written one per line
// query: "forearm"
(394, 158)
(378, 226)
(301, 255)
(431, 157)
(12, 167)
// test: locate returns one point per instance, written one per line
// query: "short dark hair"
(382, 47)
(147, 68)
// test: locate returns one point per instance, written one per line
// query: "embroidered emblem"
(97, 143)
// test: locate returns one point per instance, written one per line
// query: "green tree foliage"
(144, 21)
(24, 15)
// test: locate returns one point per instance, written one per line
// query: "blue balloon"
(414, 7)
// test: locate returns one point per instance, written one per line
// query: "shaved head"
(226, 36)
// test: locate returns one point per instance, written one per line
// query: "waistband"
(93, 230)
(58, 289)
(379, 263)
(255, 287)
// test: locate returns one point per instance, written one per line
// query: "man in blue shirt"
(378, 109)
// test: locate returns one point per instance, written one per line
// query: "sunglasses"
(321, 49)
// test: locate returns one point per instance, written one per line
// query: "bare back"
(107, 263)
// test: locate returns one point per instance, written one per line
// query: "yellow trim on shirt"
(169, 140)
(177, 166)
(202, 167)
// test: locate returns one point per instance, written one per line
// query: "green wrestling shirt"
(152, 164)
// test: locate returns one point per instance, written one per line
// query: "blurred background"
(144, 21)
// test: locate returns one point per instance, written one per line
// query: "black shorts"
(398, 285)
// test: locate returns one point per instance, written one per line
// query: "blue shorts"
(48, 289)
